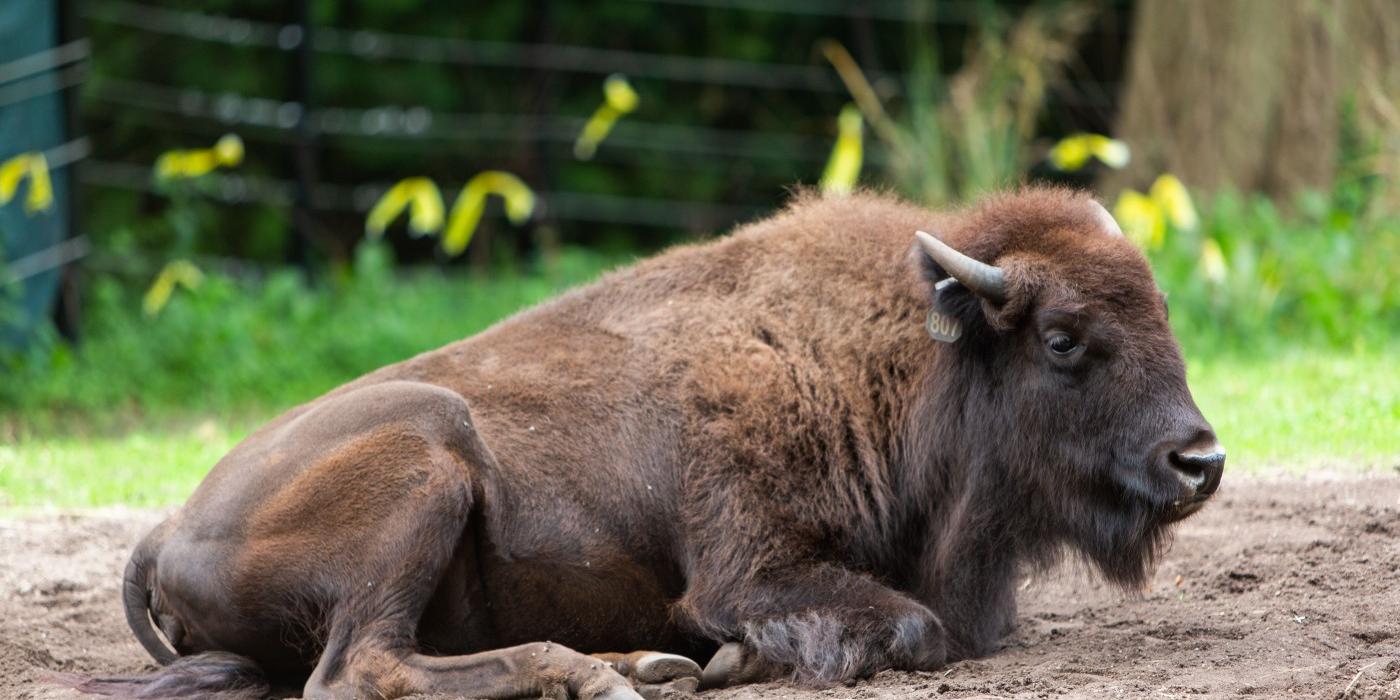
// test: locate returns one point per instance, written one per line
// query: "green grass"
(144, 468)
(1303, 411)
(1294, 414)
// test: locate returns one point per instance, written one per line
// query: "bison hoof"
(651, 667)
(735, 664)
(661, 668)
(722, 666)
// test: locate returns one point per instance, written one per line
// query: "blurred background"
(213, 210)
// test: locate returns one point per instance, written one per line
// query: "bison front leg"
(815, 623)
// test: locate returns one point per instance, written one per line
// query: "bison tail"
(216, 675)
(136, 599)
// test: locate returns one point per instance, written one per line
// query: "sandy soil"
(1280, 588)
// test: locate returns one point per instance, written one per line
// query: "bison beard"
(749, 445)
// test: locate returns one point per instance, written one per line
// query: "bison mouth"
(1171, 502)
(1186, 507)
(1155, 491)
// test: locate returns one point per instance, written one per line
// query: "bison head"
(1072, 368)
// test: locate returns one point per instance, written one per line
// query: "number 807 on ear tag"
(942, 327)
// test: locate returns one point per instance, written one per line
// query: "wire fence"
(292, 125)
(406, 125)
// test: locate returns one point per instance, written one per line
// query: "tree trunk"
(1248, 94)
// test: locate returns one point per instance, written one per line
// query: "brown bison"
(750, 445)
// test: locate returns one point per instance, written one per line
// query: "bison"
(817, 448)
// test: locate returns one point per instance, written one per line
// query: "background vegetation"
(1287, 304)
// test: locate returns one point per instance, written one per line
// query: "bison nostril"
(1199, 471)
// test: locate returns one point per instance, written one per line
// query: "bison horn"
(1105, 219)
(986, 281)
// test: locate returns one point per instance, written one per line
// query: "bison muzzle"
(749, 450)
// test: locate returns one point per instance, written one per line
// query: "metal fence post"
(304, 219)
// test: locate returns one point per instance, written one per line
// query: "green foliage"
(233, 346)
(1323, 276)
(965, 134)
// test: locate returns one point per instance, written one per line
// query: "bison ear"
(967, 289)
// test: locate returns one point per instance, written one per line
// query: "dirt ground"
(1279, 588)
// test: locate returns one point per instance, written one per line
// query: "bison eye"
(1061, 344)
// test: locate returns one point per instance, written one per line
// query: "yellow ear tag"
(941, 325)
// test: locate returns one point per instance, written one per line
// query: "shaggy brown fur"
(749, 440)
